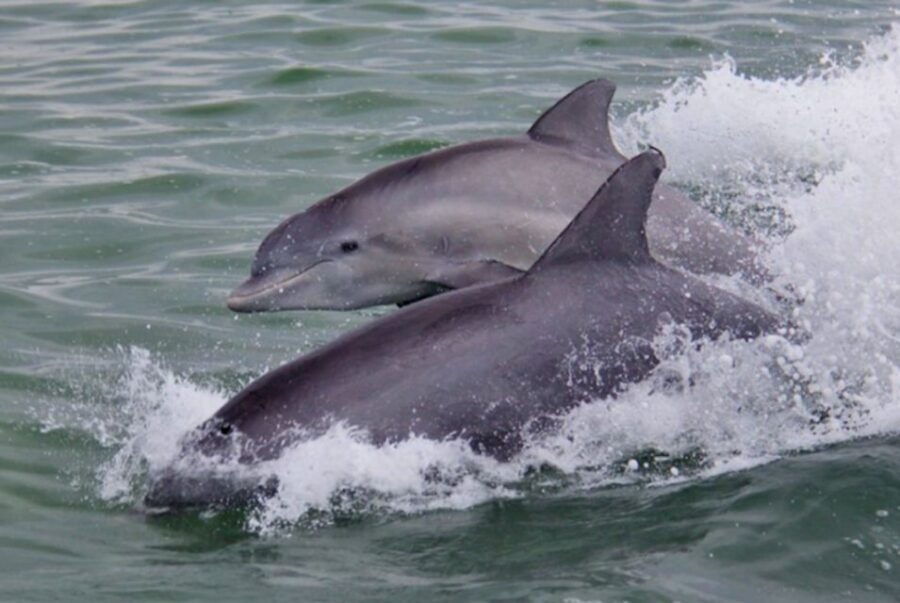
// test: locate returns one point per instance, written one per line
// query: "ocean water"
(147, 146)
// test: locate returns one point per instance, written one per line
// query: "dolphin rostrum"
(489, 363)
(470, 214)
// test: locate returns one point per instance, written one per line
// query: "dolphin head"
(320, 259)
(214, 468)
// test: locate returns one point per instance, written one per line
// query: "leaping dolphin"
(469, 214)
(484, 363)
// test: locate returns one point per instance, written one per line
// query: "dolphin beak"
(261, 293)
(171, 491)
(250, 296)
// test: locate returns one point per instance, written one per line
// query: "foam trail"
(822, 148)
(722, 122)
(821, 152)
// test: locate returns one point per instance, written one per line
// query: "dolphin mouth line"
(286, 281)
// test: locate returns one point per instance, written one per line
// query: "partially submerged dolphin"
(488, 363)
(469, 214)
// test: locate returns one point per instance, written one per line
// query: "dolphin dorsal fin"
(611, 225)
(580, 120)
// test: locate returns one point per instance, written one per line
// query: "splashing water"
(823, 149)
(159, 408)
(820, 152)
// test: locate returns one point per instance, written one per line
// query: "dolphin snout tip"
(248, 297)
(260, 294)
(239, 303)
(170, 491)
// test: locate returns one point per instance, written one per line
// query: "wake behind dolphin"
(488, 364)
(468, 214)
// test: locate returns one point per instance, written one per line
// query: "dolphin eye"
(349, 246)
(225, 429)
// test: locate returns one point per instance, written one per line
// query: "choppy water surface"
(146, 147)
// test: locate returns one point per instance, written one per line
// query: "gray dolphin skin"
(470, 214)
(490, 363)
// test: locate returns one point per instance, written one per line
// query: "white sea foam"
(157, 408)
(822, 150)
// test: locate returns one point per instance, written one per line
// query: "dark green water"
(145, 149)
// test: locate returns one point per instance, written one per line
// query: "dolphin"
(470, 214)
(489, 364)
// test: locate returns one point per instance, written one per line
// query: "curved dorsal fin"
(611, 225)
(580, 120)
